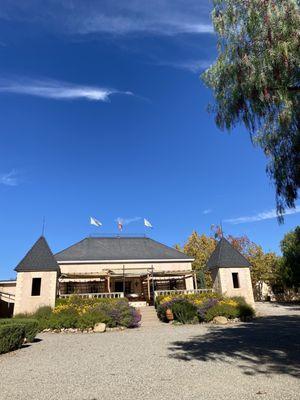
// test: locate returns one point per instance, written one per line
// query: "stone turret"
(230, 272)
(37, 276)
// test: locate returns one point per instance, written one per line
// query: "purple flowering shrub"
(203, 308)
(119, 314)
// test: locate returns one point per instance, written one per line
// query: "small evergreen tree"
(290, 263)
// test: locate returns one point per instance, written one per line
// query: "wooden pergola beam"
(108, 283)
(148, 286)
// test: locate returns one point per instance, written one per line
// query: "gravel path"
(259, 360)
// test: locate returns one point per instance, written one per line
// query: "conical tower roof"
(226, 256)
(38, 258)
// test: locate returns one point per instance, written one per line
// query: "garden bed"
(204, 307)
(80, 314)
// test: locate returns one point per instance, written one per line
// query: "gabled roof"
(38, 258)
(226, 256)
(119, 249)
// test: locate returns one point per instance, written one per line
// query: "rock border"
(90, 330)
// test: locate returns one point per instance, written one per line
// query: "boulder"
(100, 327)
(220, 320)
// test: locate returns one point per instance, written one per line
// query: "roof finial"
(221, 229)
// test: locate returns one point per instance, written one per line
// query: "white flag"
(147, 223)
(94, 221)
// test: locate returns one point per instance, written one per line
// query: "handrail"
(111, 295)
(186, 291)
(8, 296)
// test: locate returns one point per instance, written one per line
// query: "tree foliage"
(200, 248)
(264, 266)
(290, 263)
(256, 81)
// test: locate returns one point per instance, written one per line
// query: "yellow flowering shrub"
(195, 298)
(229, 302)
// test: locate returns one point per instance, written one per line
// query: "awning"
(86, 280)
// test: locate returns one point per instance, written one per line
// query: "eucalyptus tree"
(256, 81)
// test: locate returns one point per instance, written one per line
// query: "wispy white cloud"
(271, 214)
(57, 90)
(124, 25)
(9, 178)
(155, 17)
(207, 211)
(194, 66)
(127, 221)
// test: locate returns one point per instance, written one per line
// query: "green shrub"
(184, 311)
(224, 310)
(31, 327)
(11, 337)
(43, 312)
(161, 312)
(66, 319)
(43, 315)
(89, 320)
(245, 310)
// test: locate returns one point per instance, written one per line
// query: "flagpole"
(43, 227)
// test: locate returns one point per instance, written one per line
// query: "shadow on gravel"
(35, 340)
(267, 345)
(294, 306)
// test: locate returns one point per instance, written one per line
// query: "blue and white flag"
(147, 223)
(94, 221)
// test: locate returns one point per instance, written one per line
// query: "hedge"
(11, 337)
(30, 326)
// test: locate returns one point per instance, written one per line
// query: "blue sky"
(103, 114)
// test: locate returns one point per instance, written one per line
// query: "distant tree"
(264, 269)
(290, 263)
(256, 81)
(264, 266)
(241, 243)
(200, 248)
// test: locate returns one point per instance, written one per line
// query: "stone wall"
(24, 301)
(223, 283)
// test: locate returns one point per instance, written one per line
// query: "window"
(70, 288)
(119, 286)
(94, 288)
(36, 286)
(235, 280)
(172, 283)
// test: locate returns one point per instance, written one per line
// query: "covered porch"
(138, 285)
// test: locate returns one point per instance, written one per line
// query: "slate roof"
(38, 258)
(226, 256)
(119, 248)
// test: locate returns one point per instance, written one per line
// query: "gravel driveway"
(259, 360)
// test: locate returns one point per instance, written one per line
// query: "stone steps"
(149, 317)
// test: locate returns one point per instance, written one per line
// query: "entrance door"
(119, 287)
